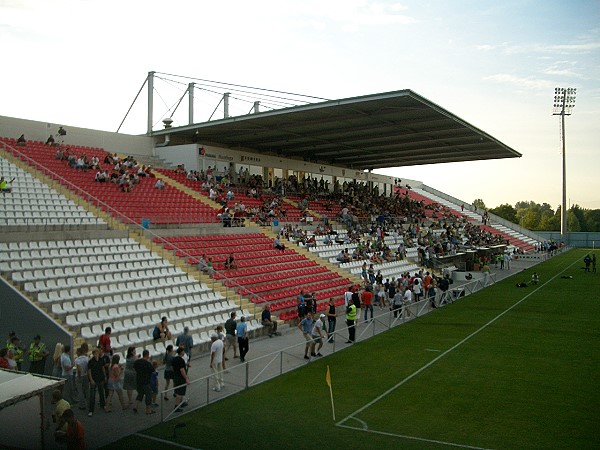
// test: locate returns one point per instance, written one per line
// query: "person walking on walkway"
(242, 338)
(351, 322)
(306, 326)
(143, 373)
(97, 378)
(230, 339)
(331, 321)
(216, 361)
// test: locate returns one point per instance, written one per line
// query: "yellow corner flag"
(328, 380)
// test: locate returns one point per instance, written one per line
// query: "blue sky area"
(494, 64)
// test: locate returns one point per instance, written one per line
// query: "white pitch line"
(454, 347)
(414, 438)
(164, 441)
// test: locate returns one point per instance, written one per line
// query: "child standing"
(154, 383)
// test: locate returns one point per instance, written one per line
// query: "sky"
(493, 64)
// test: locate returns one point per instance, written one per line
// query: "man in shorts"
(143, 371)
(317, 335)
(306, 326)
(180, 378)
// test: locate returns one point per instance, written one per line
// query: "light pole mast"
(564, 102)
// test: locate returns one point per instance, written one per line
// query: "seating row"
(135, 312)
(77, 243)
(145, 289)
(276, 276)
(147, 261)
(108, 282)
(57, 221)
(122, 306)
(102, 255)
(121, 272)
(264, 269)
(397, 270)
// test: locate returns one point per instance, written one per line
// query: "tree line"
(541, 217)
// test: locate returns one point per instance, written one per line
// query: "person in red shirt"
(367, 301)
(426, 283)
(74, 437)
(104, 341)
(3, 359)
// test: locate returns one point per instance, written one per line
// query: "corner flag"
(328, 381)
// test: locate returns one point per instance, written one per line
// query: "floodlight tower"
(564, 102)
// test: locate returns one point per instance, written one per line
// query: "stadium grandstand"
(103, 229)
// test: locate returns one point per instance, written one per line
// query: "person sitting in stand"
(141, 172)
(94, 163)
(22, 142)
(230, 262)
(278, 245)
(126, 183)
(50, 140)
(80, 163)
(268, 322)
(226, 218)
(311, 242)
(160, 184)
(344, 256)
(202, 265)
(5, 185)
(101, 176)
(161, 331)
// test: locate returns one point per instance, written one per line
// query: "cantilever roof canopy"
(392, 129)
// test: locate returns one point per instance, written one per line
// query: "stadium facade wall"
(582, 240)
(109, 141)
(191, 156)
(20, 315)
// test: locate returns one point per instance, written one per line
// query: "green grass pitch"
(505, 368)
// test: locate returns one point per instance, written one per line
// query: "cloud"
(490, 47)
(583, 47)
(563, 49)
(528, 83)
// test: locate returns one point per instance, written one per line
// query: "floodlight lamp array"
(564, 100)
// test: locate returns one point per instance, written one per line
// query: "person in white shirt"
(408, 299)
(216, 361)
(347, 296)
(317, 335)
(81, 378)
(417, 289)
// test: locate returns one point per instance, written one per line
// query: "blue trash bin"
(275, 222)
(146, 223)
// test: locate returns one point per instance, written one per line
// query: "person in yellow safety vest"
(37, 356)
(15, 346)
(351, 321)
(6, 185)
